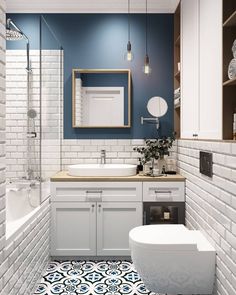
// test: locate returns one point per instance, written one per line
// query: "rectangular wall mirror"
(101, 98)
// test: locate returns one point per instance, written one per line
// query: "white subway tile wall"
(85, 151)
(78, 151)
(22, 260)
(17, 145)
(211, 204)
(2, 130)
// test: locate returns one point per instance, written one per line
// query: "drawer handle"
(162, 192)
(94, 192)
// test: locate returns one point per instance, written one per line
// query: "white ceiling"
(90, 6)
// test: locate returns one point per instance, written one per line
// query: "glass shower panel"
(51, 73)
(22, 115)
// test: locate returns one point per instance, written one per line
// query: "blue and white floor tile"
(91, 277)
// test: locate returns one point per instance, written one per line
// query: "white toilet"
(171, 259)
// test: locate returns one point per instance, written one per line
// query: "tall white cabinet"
(189, 67)
(201, 74)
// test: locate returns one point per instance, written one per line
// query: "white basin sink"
(102, 170)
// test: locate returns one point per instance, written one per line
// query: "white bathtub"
(22, 202)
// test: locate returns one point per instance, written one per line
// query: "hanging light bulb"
(146, 68)
(129, 55)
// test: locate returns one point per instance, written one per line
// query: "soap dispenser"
(140, 167)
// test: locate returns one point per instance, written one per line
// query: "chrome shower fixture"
(31, 113)
(14, 33)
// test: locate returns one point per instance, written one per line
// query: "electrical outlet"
(206, 163)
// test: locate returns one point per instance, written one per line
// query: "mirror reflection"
(101, 98)
(157, 106)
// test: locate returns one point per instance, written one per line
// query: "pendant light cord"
(128, 20)
(146, 30)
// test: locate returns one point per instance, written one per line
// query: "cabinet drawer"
(96, 191)
(164, 191)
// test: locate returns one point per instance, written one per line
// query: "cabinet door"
(73, 229)
(210, 69)
(189, 67)
(114, 221)
(201, 69)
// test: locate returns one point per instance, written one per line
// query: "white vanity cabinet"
(94, 218)
(73, 228)
(201, 69)
(114, 221)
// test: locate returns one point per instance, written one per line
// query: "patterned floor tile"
(91, 277)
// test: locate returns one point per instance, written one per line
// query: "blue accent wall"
(99, 41)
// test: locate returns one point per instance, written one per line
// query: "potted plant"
(155, 149)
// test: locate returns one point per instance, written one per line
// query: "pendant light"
(129, 55)
(146, 68)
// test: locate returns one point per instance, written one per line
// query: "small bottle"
(163, 170)
(170, 165)
(166, 213)
(140, 167)
(234, 125)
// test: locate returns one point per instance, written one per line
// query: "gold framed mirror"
(101, 98)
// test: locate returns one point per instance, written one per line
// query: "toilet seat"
(163, 237)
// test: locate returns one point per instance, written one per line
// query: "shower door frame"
(61, 83)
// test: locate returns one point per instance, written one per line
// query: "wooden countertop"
(64, 176)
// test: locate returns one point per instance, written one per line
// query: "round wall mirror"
(157, 106)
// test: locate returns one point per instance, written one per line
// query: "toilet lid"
(163, 237)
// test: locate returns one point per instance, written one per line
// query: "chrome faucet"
(103, 157)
